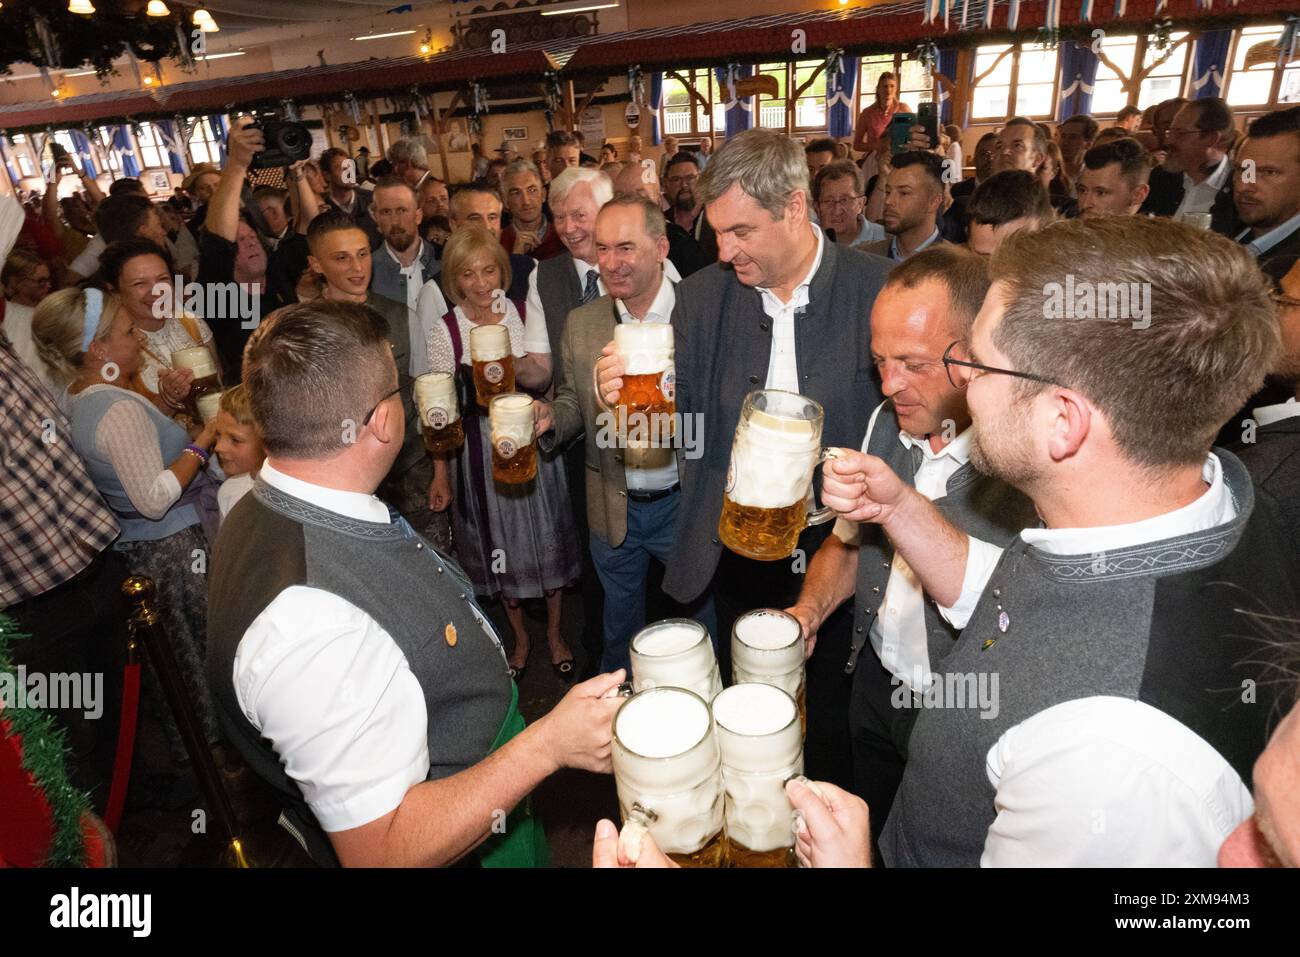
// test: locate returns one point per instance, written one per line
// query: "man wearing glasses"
(922, 430)
(1196, 177)
(837, 193)
(681, 173)
(1124, 632)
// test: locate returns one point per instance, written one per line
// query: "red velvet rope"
(125, 746)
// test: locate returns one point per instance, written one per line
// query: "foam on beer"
(436, 390)
(511, 416)
(198, 359)
(761, 746)
(673, 654)
(767, 630)
(772, 460)
(753, 709)
(662, 725)
(646, 347)
(665, 640)
(489, 343)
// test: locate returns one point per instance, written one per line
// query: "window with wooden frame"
(108, 149)
(687, 115)
(1254, 78)
(203, 144)
(1014, 80)
(64, 139)
(914, 84)
(22, 154)
(1133, 70)
(153, 151)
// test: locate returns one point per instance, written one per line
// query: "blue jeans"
(651, 530)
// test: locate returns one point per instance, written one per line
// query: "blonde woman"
(532, 528)
(145, 466)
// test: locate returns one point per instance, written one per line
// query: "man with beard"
(1117, 733)
(1196, 176)
(684, 252)
(922, 430)
(681, 173)
(1266, 187)
(913, 198)
(783, 310)
(530, 232)
(404, 262)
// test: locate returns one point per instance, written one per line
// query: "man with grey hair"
(837, 191)
(410, 160)
(530, 232)
(784, 309)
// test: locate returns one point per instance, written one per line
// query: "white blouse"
(441, 354)
(159, 346)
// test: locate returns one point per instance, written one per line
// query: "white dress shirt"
(898, 632)
(1268, 414)
(651, 470)
(1105, 780)
(332, 691)
(783, 366)
(412, 275)
(535, 320)
(1199, 197)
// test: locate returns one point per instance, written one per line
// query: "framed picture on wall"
(160, 182)
(516, 132)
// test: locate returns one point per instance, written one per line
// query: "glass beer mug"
(514, 451)
(435, 400)
(199, 361)
(209, 406)
(769, 483)
(667, 774)
(675, 653)
(761, 746)
(491, 361)
(646, 401)
(767, 647)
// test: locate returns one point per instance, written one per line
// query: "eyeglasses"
(1285, 302)
(949, 362)
(387, 396)
(846, 203)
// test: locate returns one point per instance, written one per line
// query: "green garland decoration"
(45, 758)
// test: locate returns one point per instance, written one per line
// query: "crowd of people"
(1072, 377)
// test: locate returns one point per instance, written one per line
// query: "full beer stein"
(769, 484)
(199, 361)
(435, 400)
(645, 403)
(492, 362)
(514, 451)
(767, 647)
(667, 774)
(209, 406)
(675, 653)
(761, 747)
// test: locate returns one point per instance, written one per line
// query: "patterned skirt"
(517, 541)
(178, 566)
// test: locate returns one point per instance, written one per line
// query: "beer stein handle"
(824, 514)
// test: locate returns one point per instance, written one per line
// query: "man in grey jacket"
(783, 309)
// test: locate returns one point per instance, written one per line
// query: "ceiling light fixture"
(157, 8)
(559, 11)
(380, 36)
(81, 6)
(219, 56)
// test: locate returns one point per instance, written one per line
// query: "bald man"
(684, 251)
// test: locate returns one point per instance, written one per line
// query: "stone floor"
(569, 803)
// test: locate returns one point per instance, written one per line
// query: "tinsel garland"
(45, 759)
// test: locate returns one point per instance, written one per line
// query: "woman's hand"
(174, 385)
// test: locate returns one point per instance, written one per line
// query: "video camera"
(287, 142)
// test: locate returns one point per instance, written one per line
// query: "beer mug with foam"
(492, 362)
(761, 747)
(209, 406)
(769, 484)
(767, 647)
(435, 400)
(667, 774)
(645, 403)
(514, 450)
(198, 359)
(675, 653)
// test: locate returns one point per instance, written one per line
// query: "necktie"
(592, 289)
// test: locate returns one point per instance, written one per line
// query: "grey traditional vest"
(561, 293)
(978, 504)
(272, 541)
(1156, 623)
(398, 316)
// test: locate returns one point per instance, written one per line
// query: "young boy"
(239, 448)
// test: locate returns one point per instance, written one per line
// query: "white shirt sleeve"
(430, 307)
(442, 357)
(129, 441)
(535, 337)
(1109, 782)
(86, 263)
(981, 558)
(332, 692)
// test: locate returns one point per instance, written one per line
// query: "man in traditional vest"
(922, 430)
(1104, 703)
(353, 669)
